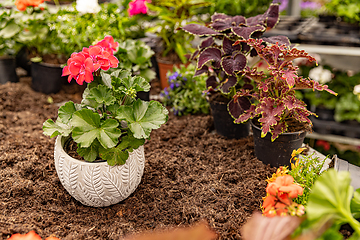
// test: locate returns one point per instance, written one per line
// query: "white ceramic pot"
(98, 184)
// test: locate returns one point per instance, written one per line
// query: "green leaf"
(120, 153)
(66, 111)
(148, 74)
(143, 116)
(53, 129)
(87, 127)
(355, 204)
(10, 30)
(91, 153)
(114, 156)
(330, 198)
(102, 95)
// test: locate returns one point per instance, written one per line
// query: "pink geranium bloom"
(108, 44)
(80, 68)
(101, 58)
(137, 7)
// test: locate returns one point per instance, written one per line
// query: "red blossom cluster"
(82, 65)
(23, 4)
(29, 236)
(280, 192)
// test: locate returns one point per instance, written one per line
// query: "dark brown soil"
(191, 174)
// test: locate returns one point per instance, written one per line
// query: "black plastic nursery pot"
(224, 123)
(278, 152)
(145, 96)
(46, 78)
(8, 70)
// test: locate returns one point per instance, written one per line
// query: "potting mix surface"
(191, 174)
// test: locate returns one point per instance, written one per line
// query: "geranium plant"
(221, 59)
(110, 122)
(274, 100)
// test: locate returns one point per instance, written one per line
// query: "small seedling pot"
(278, 152)
(97, 184)
(224, 123)
(7, 70)
(46, 78)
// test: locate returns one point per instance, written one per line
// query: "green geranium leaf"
(127, 84)
(148, 74)
(87, 127)
(330, 198)
(66, 111)
(10, 30)
(102, 95)
(143, 116)
(120, 153)
(355, 204)
(114, 156)
(91, 153)
(53, 129)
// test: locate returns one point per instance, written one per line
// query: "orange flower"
(284, 184)
(23, 4)
(29, 236)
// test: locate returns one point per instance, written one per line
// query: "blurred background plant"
(173, 14)
(347, 10)
(246, 8)
(185, 92)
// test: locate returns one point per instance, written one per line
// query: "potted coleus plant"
(108, 129)
(224, 62)
(279, 119)
(176, 44)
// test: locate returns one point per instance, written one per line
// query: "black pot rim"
(286, 133)
(48, 64)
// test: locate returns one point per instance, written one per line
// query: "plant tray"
(351, 130)
(331, 33)
(291, 27)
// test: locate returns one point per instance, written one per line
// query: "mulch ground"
(191, 174)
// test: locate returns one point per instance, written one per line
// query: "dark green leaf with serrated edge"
(120, 153)
(143, 116)
(87, 127)
(101, 95)
(66, 111)
(91, 153)
(53, 129)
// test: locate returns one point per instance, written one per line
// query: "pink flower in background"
(137, 7)
(108, 44)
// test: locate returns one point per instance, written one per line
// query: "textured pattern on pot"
(97, 184)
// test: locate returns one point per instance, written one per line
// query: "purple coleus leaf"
(210, 55)
(217, 16)
(291, 102)
(199, 30)
(202, 70)
(301, 115)
(233, 64)
(246, 32)
(223, 24)
(278, 129)
(269, 19)
(229, 47)
(207, 42)
(271, 110)
(211, 83)
(248, 114)
(302, 83)
(238, 105)
(289, 76)
(227, 83)
(254, 74)
(281, 40)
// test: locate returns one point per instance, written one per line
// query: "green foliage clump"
(185, 92)
(246, 8)
(348, 10)
(305, 172)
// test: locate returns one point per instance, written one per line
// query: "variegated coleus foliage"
(274, 97)
(223, 61)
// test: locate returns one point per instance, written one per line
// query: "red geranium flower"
(80, 68)
(29, 236)
(23, 4)
(108, 44)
